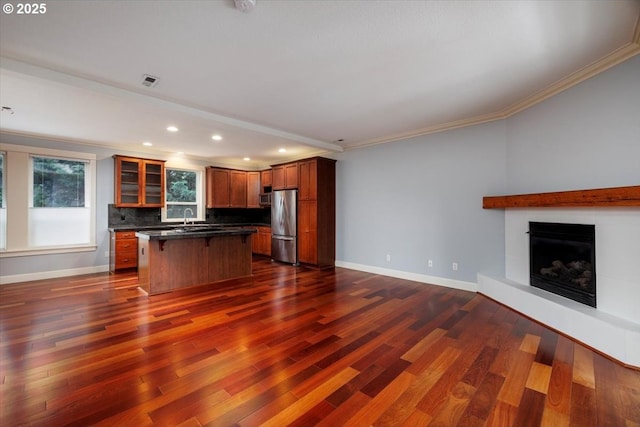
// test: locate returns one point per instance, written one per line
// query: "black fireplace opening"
(563, 260)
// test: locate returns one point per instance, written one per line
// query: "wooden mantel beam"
(601, 197)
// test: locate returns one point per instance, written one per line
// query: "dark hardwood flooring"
(295, 347)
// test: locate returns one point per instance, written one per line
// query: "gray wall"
(585, 137)
(421, 198)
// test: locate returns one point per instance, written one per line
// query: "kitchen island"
(191, 256)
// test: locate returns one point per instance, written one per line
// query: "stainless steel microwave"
(265, 199)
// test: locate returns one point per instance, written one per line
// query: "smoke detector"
(245, 5)
(149, 81)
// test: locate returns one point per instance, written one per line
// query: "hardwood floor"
(293, 347)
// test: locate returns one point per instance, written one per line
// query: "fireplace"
(562, 260)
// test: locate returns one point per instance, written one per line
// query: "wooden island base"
(167, 265)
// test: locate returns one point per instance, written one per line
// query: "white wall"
(617, 252)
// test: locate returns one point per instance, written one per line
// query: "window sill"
(46, 251)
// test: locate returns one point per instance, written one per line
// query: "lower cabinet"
(261, 242)
(316, 234)
(123, 250)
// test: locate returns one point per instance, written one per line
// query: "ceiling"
(309, 76)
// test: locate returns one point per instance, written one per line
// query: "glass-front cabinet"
(139, 182)
(154, 183)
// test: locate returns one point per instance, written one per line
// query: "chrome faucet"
(185, 215)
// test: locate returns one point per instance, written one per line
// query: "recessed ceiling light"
(246, 159)
(180, 153)
(172, 129)
(282, 150)
(147, 144)
(216, 138)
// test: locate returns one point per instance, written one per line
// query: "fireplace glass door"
(562, 260)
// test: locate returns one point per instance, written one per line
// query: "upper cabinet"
(266, 180)
(253, 189)
(226, 188)
(139, 182)
(308, 179)
(285, 176)
(237, 189)
(217, 188)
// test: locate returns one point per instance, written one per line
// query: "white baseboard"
(4, 280)
(416, 277)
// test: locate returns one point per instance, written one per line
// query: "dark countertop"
(193, 232)
(173, 226)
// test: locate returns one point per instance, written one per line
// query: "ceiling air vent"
(149, 81)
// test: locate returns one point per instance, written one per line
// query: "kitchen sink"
(196, 228)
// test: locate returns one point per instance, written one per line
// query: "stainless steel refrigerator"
(284, 226)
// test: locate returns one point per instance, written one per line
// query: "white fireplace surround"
(612, 328)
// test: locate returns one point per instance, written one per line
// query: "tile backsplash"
(152, 216)
(134, 216)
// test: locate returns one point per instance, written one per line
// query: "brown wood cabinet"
(226, 188)
(253, 189)
(237, 189)
(266, 180)
(138, 182)
(308, 180)
(180, 263)
(261, 243)
(123, 250)
(317, 212)
(285, 176)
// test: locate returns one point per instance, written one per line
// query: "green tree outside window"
(58, 183)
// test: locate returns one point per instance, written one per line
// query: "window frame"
(199, 203)
(87, 192)
(3, 202)
(18, 170)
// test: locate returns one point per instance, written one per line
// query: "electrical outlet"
(454, 266)
(388, 257)
(430, 263)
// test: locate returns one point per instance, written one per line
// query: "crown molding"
(616, 57)
(485, 118)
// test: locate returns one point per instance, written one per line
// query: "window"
(58, 183)
(50, 205)
(183, 193)
(58, 214)
(3, 208)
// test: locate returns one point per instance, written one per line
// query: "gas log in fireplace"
(562, 260)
